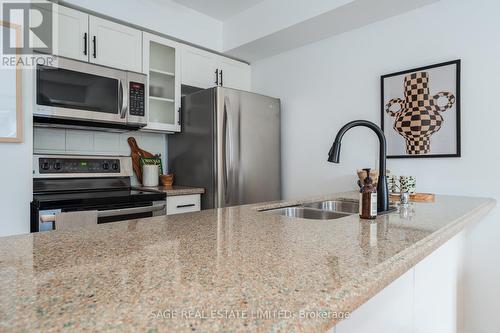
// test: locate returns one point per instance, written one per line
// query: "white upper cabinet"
(162, 64)
(198, 67)
(115, 45)
(235, 74)
(72, 34)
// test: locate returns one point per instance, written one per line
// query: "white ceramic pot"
(150, 175)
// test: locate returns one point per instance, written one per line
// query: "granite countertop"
(173, 190)
(234, 269)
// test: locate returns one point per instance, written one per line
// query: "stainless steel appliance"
(88, 183)
(79, 94)
(229, 145)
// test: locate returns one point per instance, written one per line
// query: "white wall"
(241, 28)
(15, 176)
(328, 83)
(164, 16)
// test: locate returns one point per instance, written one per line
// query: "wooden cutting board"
(416, 197)
(136, 154)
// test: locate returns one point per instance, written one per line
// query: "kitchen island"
(233, 269)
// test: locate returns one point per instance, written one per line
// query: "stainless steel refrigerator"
(230, 145)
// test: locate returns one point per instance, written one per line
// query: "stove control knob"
(105, 166)
(115, 166)
(57, 166)
(45, 166)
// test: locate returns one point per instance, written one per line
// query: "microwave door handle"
(123, 101)
(128, 211)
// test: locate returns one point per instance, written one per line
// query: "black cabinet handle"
(179, 116)
(221, 84)
(217, 77)
(85, 44)
(94, 41)
(185, 206)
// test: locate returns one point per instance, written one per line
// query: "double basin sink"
(322, 210)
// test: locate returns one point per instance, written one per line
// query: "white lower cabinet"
(390, 311)
(426, 299)
(183, 204)
(438, 289)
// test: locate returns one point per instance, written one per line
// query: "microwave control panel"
(136, 102)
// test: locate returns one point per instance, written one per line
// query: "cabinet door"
(115, 45)
(161, 63)
(198, 67)
(235, 74)
(72, 32)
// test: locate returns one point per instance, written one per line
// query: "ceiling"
(219, 9)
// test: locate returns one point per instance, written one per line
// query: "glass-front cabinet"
(161, 62)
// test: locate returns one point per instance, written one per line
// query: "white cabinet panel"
(183, 204)
(72, 33)
(426, 299)
(71, 37)
(437, 289)
(391, 310)
(235, 74)
(115, 45)
(198, 67)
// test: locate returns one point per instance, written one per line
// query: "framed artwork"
(421, 111)
(11, 122)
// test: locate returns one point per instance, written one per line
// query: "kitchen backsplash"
(78, 142)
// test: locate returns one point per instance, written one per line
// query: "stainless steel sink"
(322, 210)
(340, 206)
(307, 213)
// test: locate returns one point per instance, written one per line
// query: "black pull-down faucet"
(334, 154)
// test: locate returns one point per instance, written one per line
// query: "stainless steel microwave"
(79, 94)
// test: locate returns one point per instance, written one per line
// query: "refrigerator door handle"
(225, 154)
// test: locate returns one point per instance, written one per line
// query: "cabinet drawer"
(183, 204)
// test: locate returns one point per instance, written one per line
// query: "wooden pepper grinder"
(368, 199)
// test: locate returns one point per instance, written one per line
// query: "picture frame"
(420, 111)
(11, 115)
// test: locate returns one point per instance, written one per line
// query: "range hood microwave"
(81, 95)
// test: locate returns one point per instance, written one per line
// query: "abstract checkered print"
(418, 115)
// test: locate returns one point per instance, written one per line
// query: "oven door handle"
(113, 212)
(128, 211)
(48, 218)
